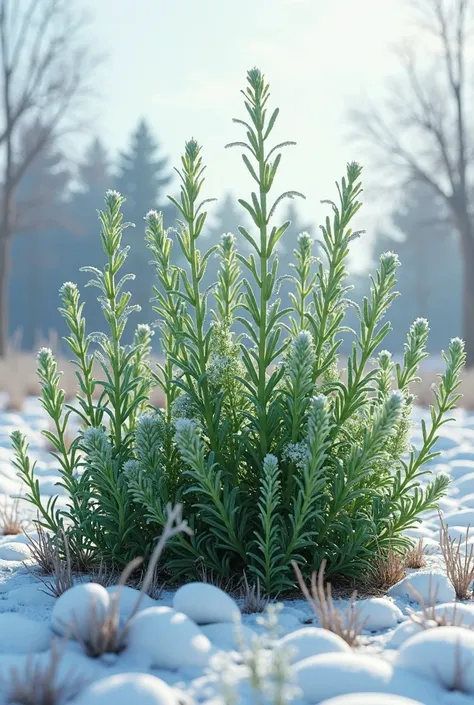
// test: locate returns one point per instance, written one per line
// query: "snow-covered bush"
(275, 455)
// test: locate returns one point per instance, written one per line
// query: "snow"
(205, 603)
(183, 647)
(75, 606)
(128, 688)
(431, 586)
(370, 699)
(311, 641)
(445, 654)
(180, 644)
(322, 677)
(378, 613)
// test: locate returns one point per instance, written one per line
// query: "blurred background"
(98, 94)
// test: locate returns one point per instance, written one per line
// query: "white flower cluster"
(183, 407)
(296, 453)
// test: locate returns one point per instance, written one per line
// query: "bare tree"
(424, 130)
(46, 65)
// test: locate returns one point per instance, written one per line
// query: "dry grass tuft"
(387, 570)
(415, 557)
(459, 563)
(347, 623)
(104, 634)
(39, 684)
(10, 522)
(253, 600)
(48, 555)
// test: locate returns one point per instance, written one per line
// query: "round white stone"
(370, 699)
(19, 635)
(75, 605)
(403, 632)
(325, 676)
(312, 641)
(378, 613)
(205, 603)
(430, 585)
(168, 638)
(223, 635)
(443, 655)
(128, 689)
(128, 599)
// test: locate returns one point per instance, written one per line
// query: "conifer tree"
(40, 216)
(143, 177)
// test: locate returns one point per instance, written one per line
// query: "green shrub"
(275, 456)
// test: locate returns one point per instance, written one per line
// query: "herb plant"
(275, 455)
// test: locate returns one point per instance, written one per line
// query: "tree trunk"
(4, 272)
(467, 251)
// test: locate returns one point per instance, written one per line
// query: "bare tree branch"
(46, 65)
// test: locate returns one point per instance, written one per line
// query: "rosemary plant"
(276, 454)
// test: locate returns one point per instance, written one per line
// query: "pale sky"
(181, 63)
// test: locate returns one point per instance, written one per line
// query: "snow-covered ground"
(182, 648)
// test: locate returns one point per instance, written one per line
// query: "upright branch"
(264, 327)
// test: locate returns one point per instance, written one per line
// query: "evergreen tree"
(142, 177)
(40, 216)
(429, 279)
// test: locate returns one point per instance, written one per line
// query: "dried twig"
(459, 564)
(346, 624)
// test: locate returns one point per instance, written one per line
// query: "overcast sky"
(181, 63)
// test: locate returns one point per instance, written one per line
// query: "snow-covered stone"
(370, 699)
(456, 614)
(445, 654)
(128, 599)
(403, 632)
(14, 551)
(19, 635)
(224, 636)
(311, 641)
(169, 639)
(430, 585)
(31, 596)
(128, 689)
(378, 613)
(205, 603)
(325, 676)
(75, 605)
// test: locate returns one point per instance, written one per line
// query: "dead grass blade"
(347, 623)
(459, 563)
(253, 600)
(415, 557)
(39, 684)
(10, 523)
(46, 551)
(387, 570)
